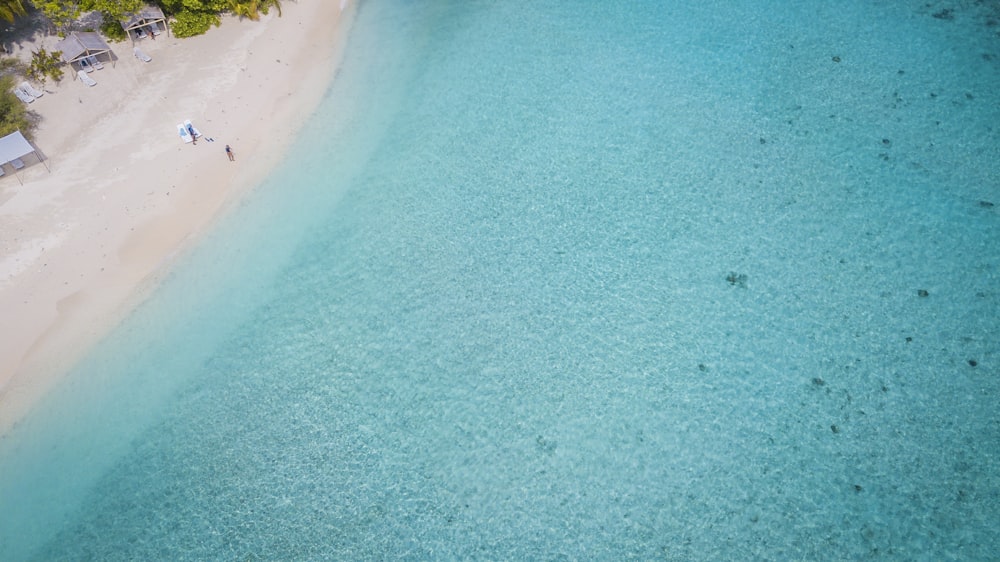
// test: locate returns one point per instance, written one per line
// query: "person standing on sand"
(229, 153)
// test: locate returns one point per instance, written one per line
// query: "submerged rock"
(737, 279)
(946, 14)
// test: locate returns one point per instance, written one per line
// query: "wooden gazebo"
(79, 45)
(148, 20)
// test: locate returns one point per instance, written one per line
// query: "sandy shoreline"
(81, 245)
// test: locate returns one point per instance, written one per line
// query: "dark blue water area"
(687, 280)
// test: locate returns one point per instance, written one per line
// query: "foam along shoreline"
(81, 245)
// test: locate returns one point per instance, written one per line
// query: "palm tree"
(9, 9)
(252, 9)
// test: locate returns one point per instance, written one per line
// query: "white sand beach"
(86, 240)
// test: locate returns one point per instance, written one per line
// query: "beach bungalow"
(84, 48)
(149, 21)
(13, 147)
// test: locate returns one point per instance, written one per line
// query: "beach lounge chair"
(17, 163)
(141, 55)
(94, 62)
(30, 90)
(154, 30)
(85, 79)
(183, 132)
(192, 129)
(86, 65)
(23, 96)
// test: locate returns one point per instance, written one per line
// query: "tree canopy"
(13, 114)
(250, 9)
(191, 17)
(116, 9)
(10, 9)
(194, 17)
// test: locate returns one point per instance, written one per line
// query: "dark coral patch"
(946, 14)
(737, 279)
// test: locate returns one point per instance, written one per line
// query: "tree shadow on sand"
(27, 32)
(24, 31)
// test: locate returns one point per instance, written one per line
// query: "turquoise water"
(686, 280)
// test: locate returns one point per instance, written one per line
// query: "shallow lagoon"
(717, 281)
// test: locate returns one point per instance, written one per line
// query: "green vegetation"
(194, 17)
(60, 12)
(116, 9)
(252, 9)
(45, 65)
(13, 113)
(179, 6)
(112, 29)
(187, 24)
(10, 9)
(191, 17)
(64, 12)
(10, 65)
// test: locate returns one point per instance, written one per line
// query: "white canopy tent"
(13, 147)
(82, 44)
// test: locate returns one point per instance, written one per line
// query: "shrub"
(188, 24)
(60, 12)
(45, 65)
(13, 114)
(112, 29)
(11, 65)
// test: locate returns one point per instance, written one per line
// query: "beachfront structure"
(80, 45)
(12, 148)
(148, 20)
